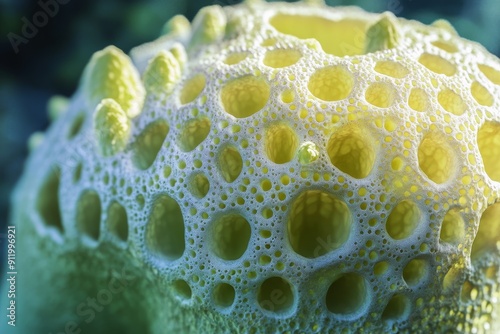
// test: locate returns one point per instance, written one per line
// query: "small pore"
(199, 185)
(230, 236)
(194, 133)
(279, 58)
(489, 72)
(117, 221)
(235, 58)
(318, 223)
(275, 295)
(418, 100)
(281, 143)
(481, 94)
(347, 294)
(223, 295)
(415, 272)
(48, 200)
(332, 83)
(488, 141)
(380, 94)
(182, 290)
(148, 144)
(453, 227)
(436, 158)
(446, 46)
(437, 64)
(76, 126)
(351, 150)
(398, 308)
(165, 229)
(403, 220)
(244, 96)
(230, 163)
(192, 88)
(88, 214)
(391, 69)
(451, 102)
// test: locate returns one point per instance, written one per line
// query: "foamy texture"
(285, 179)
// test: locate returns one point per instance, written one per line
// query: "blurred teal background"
(52, 61)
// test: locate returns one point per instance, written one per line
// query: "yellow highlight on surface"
(110, 74)
(111, 127)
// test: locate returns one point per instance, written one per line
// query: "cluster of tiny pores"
(276, 173)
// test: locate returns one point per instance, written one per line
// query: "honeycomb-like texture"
(287, 168)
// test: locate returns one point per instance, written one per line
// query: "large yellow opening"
(340, 38)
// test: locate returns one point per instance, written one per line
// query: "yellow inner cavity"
(397, 308)
(281, 143)
(230, 163)
(182, 290)
(223, 295)
(88, 214)
(194, 132)
(453, 227)
(318, 223)
(418, 100)
(148, 144)
(488, 235)
(446, 46)
(451, 102)
(243, 97)
(488, 141)
(492, 74)
(235, 58)
(340, 38)
(117, 221)
(230, 236)
(165, 229)
(351, 150)
(281, 57)
(331, 83)
(403, 220)
(481, 94)
(391, 68)
(192, 88)
(48, 200)
(275, 295)
(380, 94)
(346, 294)
(437, 64)
(200, 185)
(415, 271)
(436, 158)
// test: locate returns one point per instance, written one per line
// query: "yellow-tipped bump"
(446, 25)
(111, 127)
(208, 25)
(57, 106)
(35, 139)
(110, 74)
(179, 53)
(383, 35)
(162, 74)
(177, 26)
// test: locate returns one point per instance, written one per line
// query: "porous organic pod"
(269, 168)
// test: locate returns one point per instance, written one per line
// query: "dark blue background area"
(51, 62)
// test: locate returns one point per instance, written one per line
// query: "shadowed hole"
(318, 223)
(488, 235)
(230, 236)
(436, 158)
(230, 163)
(331, 83)
(223, 295)
(397, 309)
(275, 295)
(148, 144)
(281, 143)
(48, 200)
(488, 141)
(415, 271)
(194, 132)
(403, 220)
(347, 294)
(88, 214)
(453, 227)
(117, 221)
(165, 229)
(182, 289)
